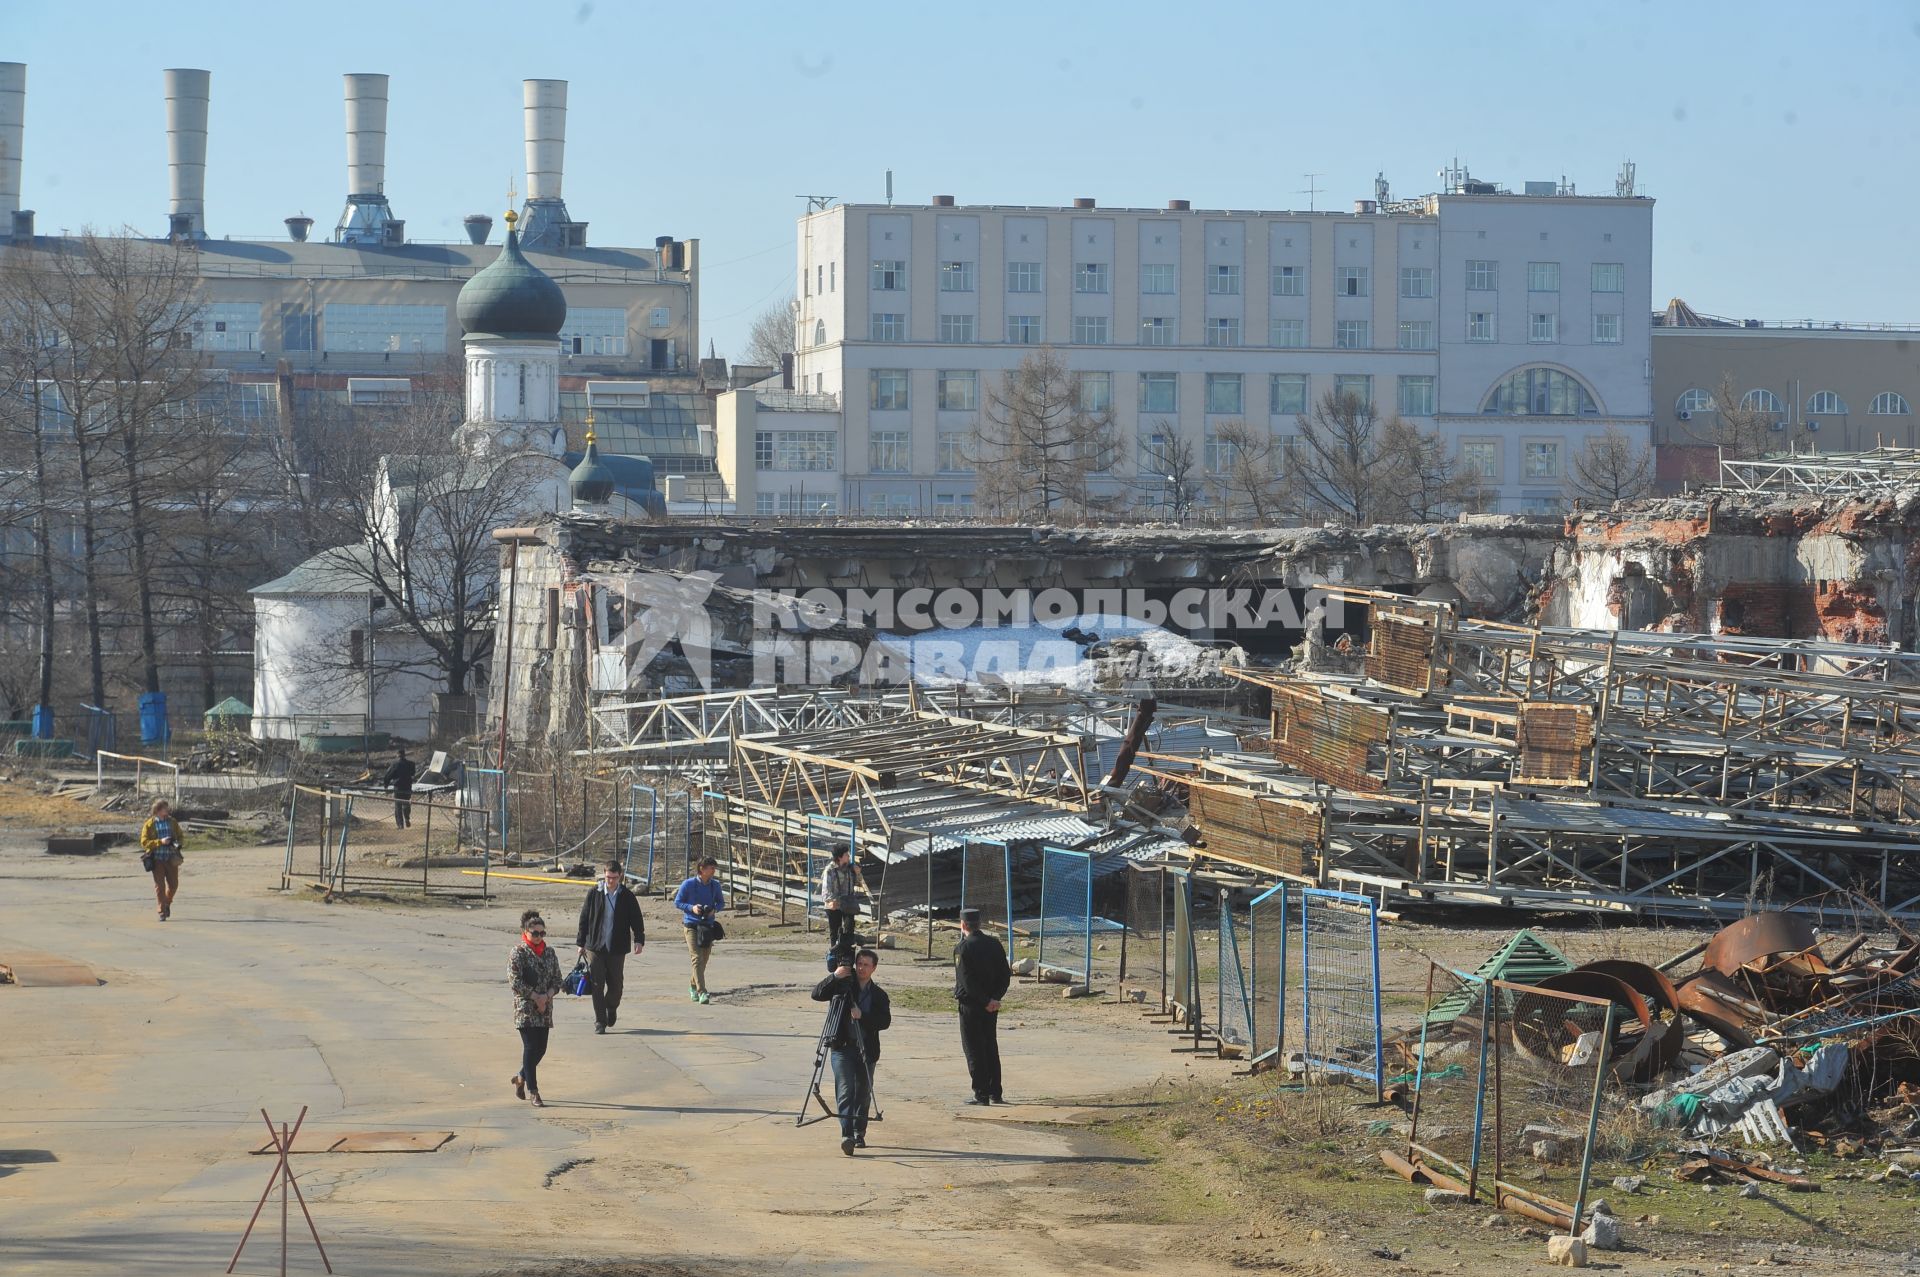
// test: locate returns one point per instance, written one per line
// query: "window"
(1543, 277)
(659, 317)
(1159, 392)
(888, 388)
(884, 327)
(1416, 396)
(1540, 392)
(763, 503)
(890, 277)
(1606, 330)
(833, 276)
(1354, 387)
(1288, 334)
(228, 326)
(1480, 458)
(1215, 452)
(257, 400)
(1694, 400)
(1157, 277)
(1352, 334)
(1609, 277)
(956, 328)
(1479, 325)
(1090, 277)
(796, 449)
(1287, 394)
(1023, 277)
(959, 391)
(1416, 281)
(819, 332)
(1825, 403)
(1889, 403)
(1023, 330)
(1096, 391)
(1539, 459)
(1483, 276)
(1156, 330)
(885, 504)
(1224, 393)
(296, 328)
(1762, 400)
(956, 277)
(1416, 334)
(594, 330)
(1223, 332)
(1350, 281)
(958, 504)
(412, 330)
(1223, 281)
(372, 392)
(1091, 330)
(1289, 281)
(887, 452)
(820, 278)
(1543, 326)
(950, 452)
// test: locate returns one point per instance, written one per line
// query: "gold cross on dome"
(589, 427)
(512, 195)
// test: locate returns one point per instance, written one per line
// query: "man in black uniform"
(609, 921)
(400, 778)
(980, 979)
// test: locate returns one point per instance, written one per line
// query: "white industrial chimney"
(13, 131)
(187, 152)
(368, 218)
(544, 222)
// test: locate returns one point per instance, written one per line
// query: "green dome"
(592, 483)
(512, 298)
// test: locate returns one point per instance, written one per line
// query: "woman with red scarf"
(535, 972)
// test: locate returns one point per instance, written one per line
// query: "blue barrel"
(43, 722)
(153, 719)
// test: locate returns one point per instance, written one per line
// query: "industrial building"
(1513, 323)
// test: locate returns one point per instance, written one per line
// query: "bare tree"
(1352, 466)
(770, 336)
(1611, 469)
(29, 341)
(1169, 473)
(1741, 430)
(1039, 439)
(1251, 479)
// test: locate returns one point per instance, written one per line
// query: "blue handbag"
(576, 982)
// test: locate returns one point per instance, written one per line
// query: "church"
(391, 634)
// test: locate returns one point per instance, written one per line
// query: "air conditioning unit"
(1684, 415)
(1779, 425)
(1813, 427)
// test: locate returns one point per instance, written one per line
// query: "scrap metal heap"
(1473, 761)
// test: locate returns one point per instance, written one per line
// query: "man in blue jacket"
(700, 902)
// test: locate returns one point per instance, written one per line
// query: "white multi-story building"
(1516, 325)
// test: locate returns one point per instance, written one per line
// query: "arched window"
(1695, 400)
(820, 332)
(1763, 401)
(1540, 392)
(1825, 403)
(1889, 403)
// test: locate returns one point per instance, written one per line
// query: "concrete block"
(1444, 1197)
(1025, 966)
(1075, 991)
(1629, 1183)
(1136, 995)
(1603, 1233)
(1566, 1252)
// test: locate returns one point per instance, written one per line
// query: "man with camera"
(981, 975)
(863, 1012)
(610, 921)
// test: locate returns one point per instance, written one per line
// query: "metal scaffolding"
(1825, 474)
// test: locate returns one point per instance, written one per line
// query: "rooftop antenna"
(1623, 184)
(889, 188)
(1311, 189)
(1380, 188)
(818, 203)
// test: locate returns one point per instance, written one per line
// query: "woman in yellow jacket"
(160, 845)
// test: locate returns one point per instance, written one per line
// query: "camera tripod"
(828, 1031)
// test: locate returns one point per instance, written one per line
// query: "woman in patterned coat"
(534, 970)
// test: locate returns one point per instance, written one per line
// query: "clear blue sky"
(1777, 137)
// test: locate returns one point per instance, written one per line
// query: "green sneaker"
(693, 994)
(704, 999)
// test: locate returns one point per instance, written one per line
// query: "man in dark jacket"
(609, 921)
(864, 1012)
(399, 778)
(980, 979)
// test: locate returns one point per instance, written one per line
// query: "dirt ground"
(673, 1153)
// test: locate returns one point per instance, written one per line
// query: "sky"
(1762, 129)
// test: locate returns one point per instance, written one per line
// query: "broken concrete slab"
(1566, 1252)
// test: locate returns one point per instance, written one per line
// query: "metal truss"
(707, 725)
(1825, 474)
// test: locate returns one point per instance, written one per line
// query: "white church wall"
(305, 682)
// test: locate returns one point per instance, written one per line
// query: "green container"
(16, 727)
(43, 749)
(353, 744)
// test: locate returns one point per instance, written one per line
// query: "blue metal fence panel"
(985, 885)
(1065, 925)
(643, 834)
(1340, 985)
(1231, 991)
(1267, 927)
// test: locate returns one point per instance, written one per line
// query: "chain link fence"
(346, 841)
(1267, 930)
(1340, 986)
(1064, 929)
(1146, 936)
(1549, 1069)
(1450, 1074)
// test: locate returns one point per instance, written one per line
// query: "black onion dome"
(512, 298)
(592, 482)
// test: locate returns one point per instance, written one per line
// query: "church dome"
(591, 482)
(512, 298)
